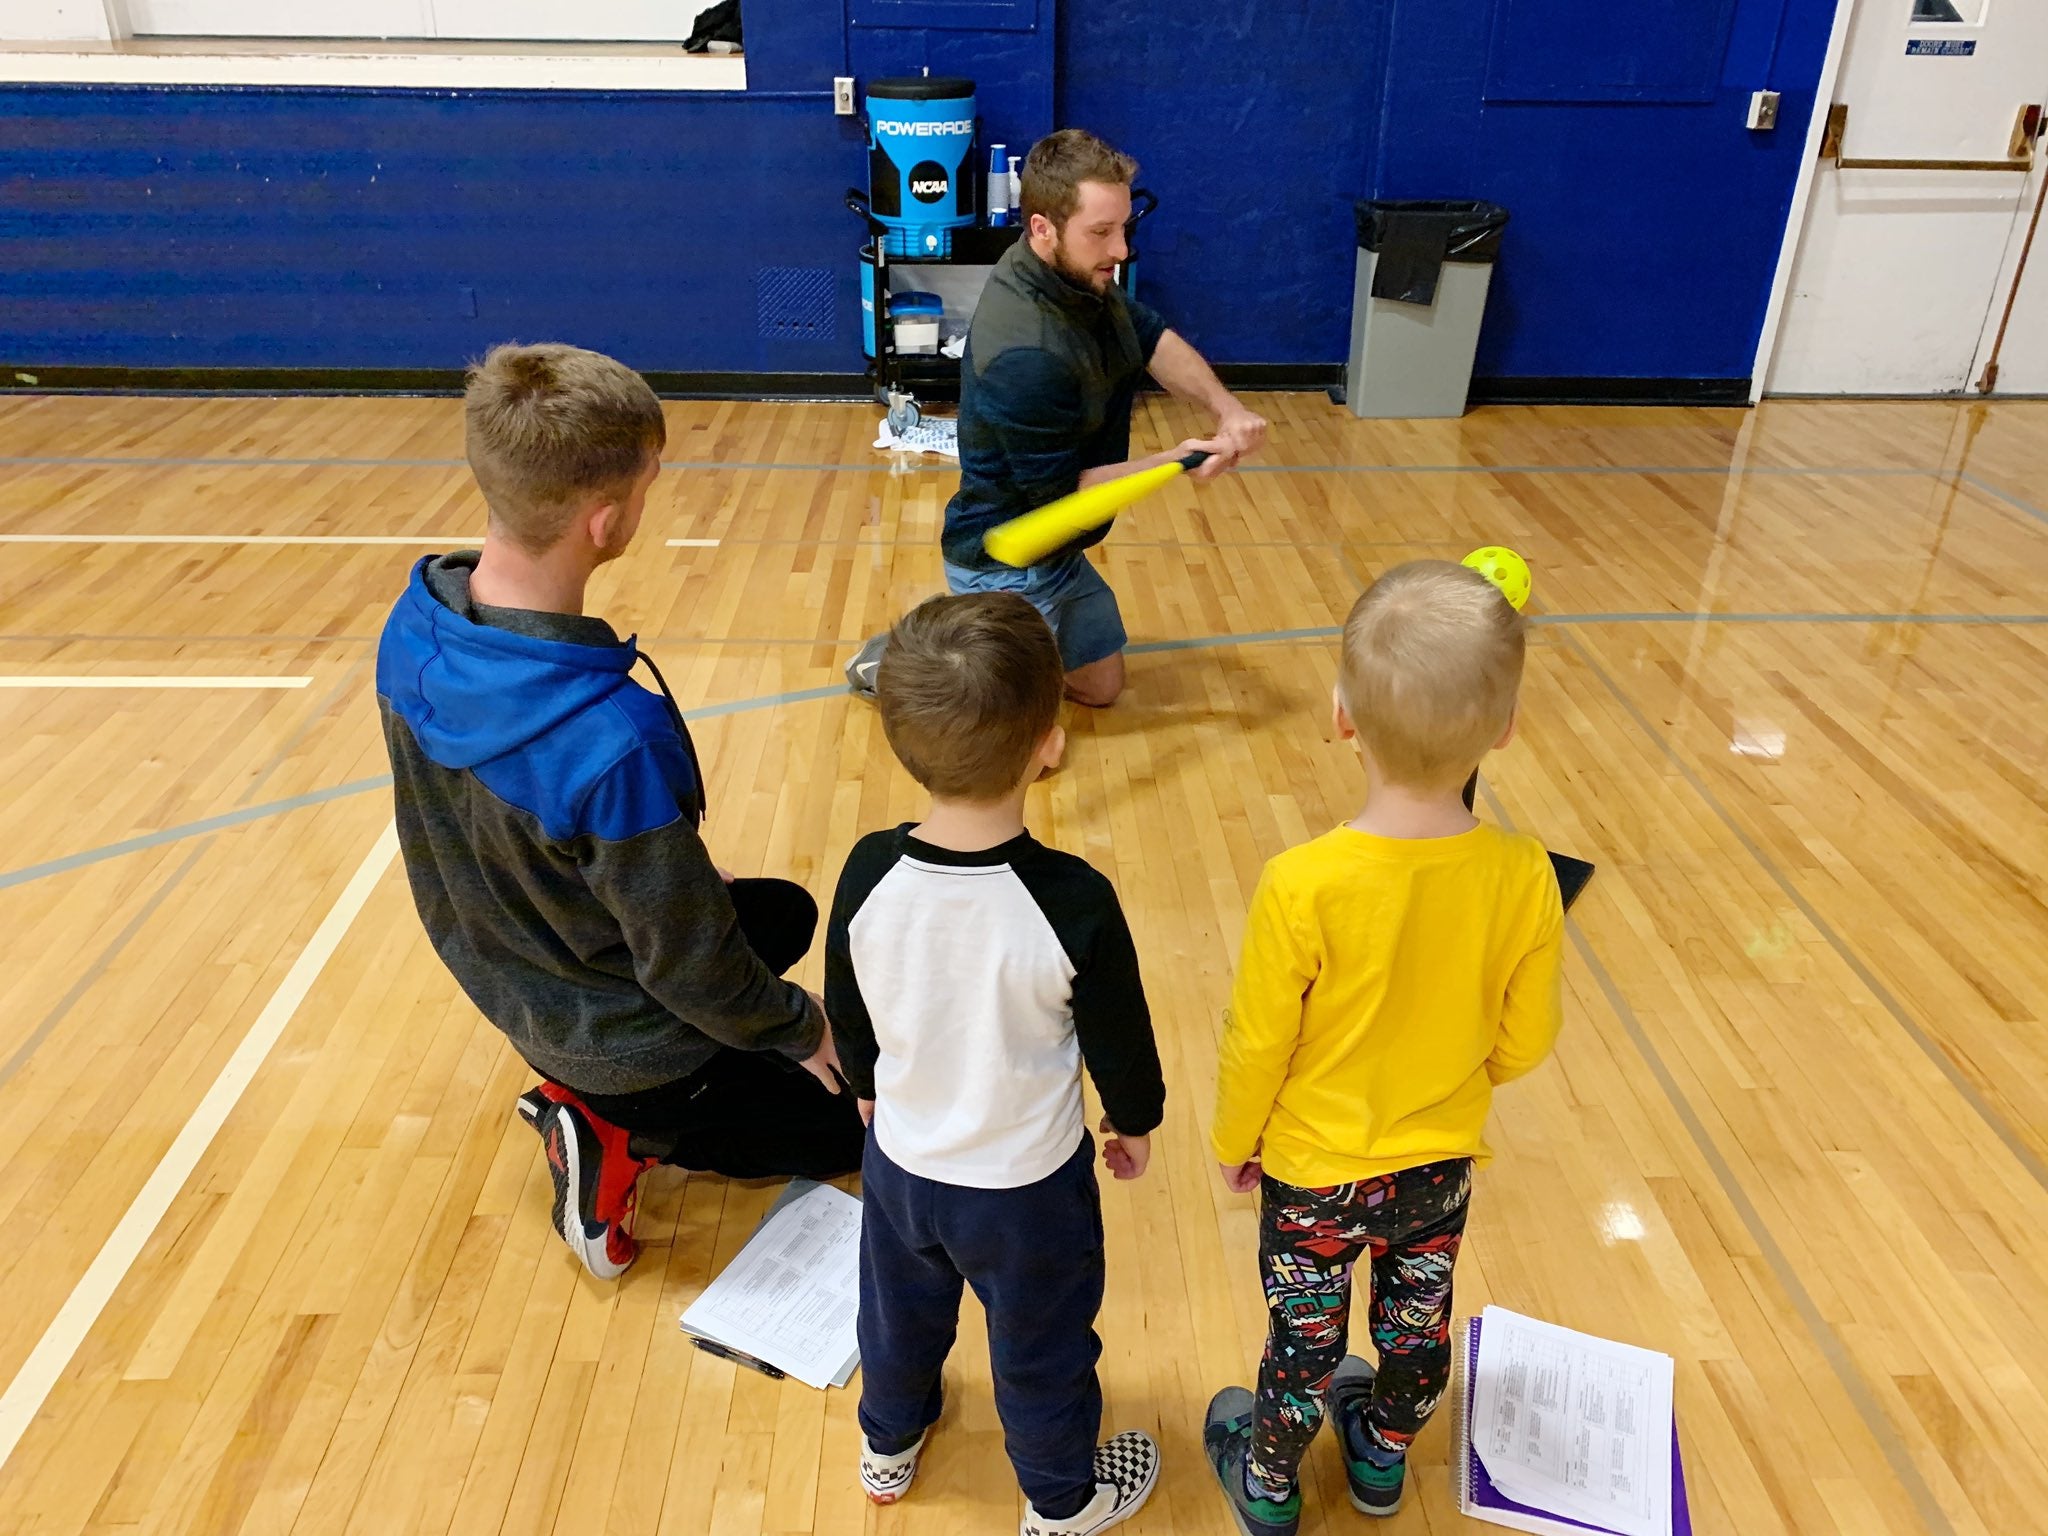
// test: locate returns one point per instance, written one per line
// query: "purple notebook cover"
(1486, 1496)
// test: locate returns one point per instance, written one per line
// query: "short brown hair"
(968, 688)
(548, 425)
(1432, 664)
(1056, 167)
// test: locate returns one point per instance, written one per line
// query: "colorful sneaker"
(576, 1160)
(1375, 1489)
(1126, 1467)
(1227, 1441)
(619, 1186)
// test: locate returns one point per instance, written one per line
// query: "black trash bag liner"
(1415, 237)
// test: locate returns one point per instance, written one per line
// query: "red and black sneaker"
(532, 1104)
(595, 1179)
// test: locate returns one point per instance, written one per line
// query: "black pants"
(1034, 1256)
(749, 1114)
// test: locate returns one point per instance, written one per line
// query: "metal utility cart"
(958, 277)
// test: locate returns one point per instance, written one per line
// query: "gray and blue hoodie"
(548, 808)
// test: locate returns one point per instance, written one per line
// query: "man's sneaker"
(867, 661)
(576, 1161)
(1126, 1467)
(1227, 1442)
(1375, 1489)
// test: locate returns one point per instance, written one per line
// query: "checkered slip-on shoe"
(1126, 1467)
(885, 1479)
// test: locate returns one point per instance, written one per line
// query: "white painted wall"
(440, 61)
(595, 21)
(587, 21)
(431, 66)
(54, 21)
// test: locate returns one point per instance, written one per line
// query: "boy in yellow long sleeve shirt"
(1394, 970)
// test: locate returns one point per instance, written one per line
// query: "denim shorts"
(1072, 595)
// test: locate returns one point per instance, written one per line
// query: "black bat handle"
(1196, 459)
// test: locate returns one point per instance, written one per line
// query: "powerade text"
(963, 127)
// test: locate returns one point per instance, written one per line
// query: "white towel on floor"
(934, 434)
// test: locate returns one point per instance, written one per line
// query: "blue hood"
(553, 727)
(472, 693)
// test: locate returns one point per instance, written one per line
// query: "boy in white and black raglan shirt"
(970, 973)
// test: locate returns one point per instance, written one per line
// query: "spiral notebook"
(1478, 1497)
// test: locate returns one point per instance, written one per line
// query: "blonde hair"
(1432, 664)
(548, 426)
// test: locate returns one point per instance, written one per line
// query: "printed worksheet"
(1574, 1425)
(792, 1294)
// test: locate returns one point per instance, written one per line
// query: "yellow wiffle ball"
(1505, 569)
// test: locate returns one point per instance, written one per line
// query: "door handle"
(2026, 127)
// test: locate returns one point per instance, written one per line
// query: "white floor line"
(426, 540)
(419, 540)
(46, 1363)
(166, 681)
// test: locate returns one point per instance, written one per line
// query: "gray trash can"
(1416, 304)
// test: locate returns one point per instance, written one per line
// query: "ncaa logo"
(928, 182)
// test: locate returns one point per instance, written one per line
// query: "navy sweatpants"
(1034, 1258)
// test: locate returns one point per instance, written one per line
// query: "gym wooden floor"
(278, 1253)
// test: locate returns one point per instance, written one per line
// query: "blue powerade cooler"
(920, 182)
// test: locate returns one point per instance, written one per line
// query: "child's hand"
(1242, 1178)
(867, 1110)
(1125, 1156)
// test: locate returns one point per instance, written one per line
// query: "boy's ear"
(1340, 717)
(1508, 733)
(599, 521)
(1052, 747)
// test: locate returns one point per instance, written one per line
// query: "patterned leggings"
(1411, 1223)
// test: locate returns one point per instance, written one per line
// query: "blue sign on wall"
(1940, 47)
